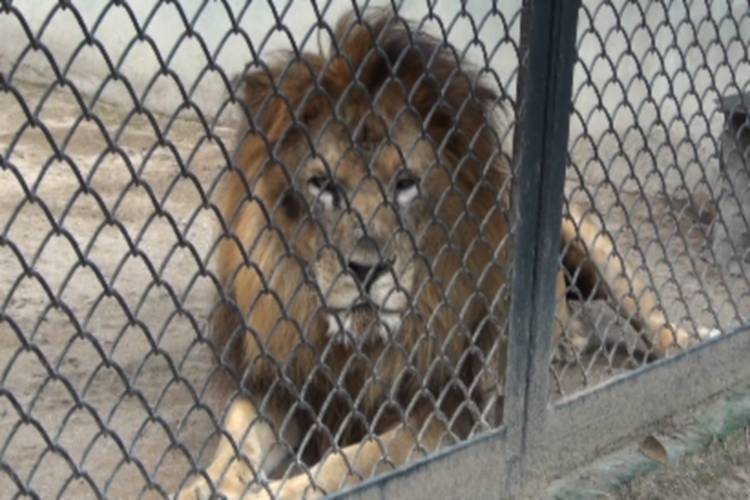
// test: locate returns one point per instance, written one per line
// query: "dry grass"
(722, 471)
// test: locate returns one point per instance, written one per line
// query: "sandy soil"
(105, 292)
(103, 351)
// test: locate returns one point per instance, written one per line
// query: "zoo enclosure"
(540, 438)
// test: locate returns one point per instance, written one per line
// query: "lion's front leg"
(591, 253)
(360, 461)
(250, 448)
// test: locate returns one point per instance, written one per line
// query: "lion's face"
(370, 180)
(369, 202)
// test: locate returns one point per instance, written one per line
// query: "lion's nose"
(367, 274)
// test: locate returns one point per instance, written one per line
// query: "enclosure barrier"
(350, 216)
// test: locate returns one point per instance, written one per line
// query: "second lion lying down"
(364, 264)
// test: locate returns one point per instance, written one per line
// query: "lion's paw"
(674, 339)
(705, 333)
(200, 489)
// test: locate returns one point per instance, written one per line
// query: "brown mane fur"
(269, 327)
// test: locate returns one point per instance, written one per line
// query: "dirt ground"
(722, 472)
(102, 351)
(104, 288)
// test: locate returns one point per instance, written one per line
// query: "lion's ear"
(268, 102)
(257, 87)
(273, 94)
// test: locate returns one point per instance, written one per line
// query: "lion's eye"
(321, 187)
(406, 183)
(407, 188)
(319, 182)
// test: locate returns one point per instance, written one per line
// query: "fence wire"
(276, 262)
(658, 161)
(125, 223)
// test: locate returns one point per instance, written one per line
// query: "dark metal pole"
(541, 152)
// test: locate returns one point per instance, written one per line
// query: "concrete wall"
(652, 74)
(188, 57)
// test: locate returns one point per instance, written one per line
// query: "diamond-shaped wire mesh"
(268, 245)
(659, 163)
(179, 185)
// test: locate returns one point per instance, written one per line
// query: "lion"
(364, 264)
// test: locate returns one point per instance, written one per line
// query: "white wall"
(657, 74)
(141, 66)
(671, 77)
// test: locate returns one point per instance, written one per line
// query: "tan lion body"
(421, 216)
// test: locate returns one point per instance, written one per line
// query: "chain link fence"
(658, 134)
(280, 249)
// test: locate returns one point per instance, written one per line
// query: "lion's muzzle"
(368, 302)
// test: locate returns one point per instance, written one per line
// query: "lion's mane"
(269, 327)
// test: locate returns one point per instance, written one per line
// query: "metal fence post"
(541, 151)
